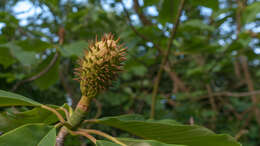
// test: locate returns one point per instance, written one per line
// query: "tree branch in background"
(164, 59)
(67, 87)
(142, 17)
(244, 63)
(178, 83)
(213, 104)
(45, 70)
(135, 31)
(250, 85)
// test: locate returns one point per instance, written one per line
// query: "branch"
(242, 94)
(212, 103)
(100, 133)
(135, 31)
(45, 70)
(142, 17)
(177, 81)
(244, 64)
(99, 108)
(67, 87)
(164, 59)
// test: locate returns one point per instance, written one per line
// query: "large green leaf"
(12, 99)
(30, 135)
(206, 3)
(26, 58)
(168, 10)
(6, 58)
(50, 77)
(134, 142)
(35, 45)
(74, 49)
(141, 142)
(12, 119)
(169, 132)
(250, 13)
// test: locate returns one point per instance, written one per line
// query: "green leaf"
(106, 143)
(26, 58)
(35, 45)
(134, 142)
(49, 139)
(12, 99)
(141, 142)
(197, 24)
(171, 133)
(168, 11)
(250, 13)
(206, 3)
(74, 49)
(30, 135)
(6, 59)
(50, 77)
(150, 2)
(12, 119)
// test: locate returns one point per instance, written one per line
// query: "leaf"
(250, 13)
(150, 2)
(10, 120)
(26, 58)
(168, 11)
(134, 142)
(50, 77)
(74, 49)
(170, 133)
(141, 142)
(12, 99)
(197, 24)
(30, 135)
(35, 45)
(6, 59)
(106, 143)
(206, 3)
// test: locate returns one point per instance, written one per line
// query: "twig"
(212, 103)
(45, 70)
(136, 32)
(241, 133)
(164, 59)
(244, 64)
(142, 17)
(242, 94)
(59, 116)
(68, 88)
(66, 113)
(250, 87)
(177, 81)
(85, 134)
(60, 137)
(100, 133)
(99, 108)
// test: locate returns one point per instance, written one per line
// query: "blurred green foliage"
(211, 77)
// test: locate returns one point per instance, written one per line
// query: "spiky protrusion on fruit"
(100, 65)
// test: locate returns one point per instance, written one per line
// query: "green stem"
(80, 111)
(76, 118)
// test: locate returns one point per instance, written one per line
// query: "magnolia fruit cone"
(100, 65)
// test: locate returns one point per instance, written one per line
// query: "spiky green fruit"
(100, 65)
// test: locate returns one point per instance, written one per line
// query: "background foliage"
(211, 76)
